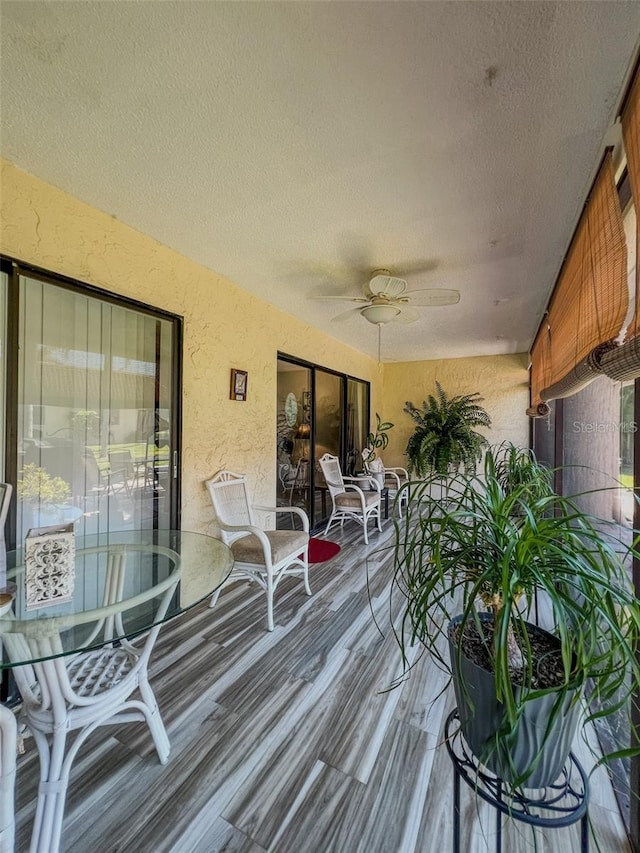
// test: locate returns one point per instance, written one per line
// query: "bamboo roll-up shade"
(540, 367)
(631, 139)
(623, 363)
(590, 300)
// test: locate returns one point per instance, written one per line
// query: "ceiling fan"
(387, 300)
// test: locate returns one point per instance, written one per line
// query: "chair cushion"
(349, 499)
(284, 543)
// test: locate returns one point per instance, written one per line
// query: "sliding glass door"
(94, 411)
(319, 411)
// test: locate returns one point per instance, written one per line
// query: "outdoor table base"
(563, 803)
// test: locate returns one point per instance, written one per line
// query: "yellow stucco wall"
(224, 327)
(502, 381)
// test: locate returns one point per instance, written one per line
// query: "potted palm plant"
(501, 541)
(445, 436)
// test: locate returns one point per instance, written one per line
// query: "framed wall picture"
(239, 384)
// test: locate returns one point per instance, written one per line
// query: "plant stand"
(557, 805)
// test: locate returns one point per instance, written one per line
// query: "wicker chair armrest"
(401, 471)
(388, 472)
(365, 479)
(295, 509)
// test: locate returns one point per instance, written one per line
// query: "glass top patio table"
(144, 564)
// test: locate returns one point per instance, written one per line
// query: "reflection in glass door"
(293, 486)
(95, 413)
(357, 424)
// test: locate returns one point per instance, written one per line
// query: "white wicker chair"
(397, 481)
(264, 556)
(88, 689)
(8, 748)
(349, 500)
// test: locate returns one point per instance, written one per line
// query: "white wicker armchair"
(8, 747)
(349, 500)
(397, 481)
(263, 556)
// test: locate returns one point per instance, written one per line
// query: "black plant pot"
(529, 751)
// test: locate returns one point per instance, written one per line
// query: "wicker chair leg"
(52, 792)
(307, 588)
(154, 721)
(270, 603)
(8, 747)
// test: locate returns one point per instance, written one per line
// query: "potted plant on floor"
(445, 436)
(502, 539)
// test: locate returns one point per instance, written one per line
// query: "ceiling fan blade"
(406, 315)
(433, 297)
(338, 298)
(345, 315)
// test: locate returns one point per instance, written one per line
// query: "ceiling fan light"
(380, 314)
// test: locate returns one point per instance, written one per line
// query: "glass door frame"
(14, 269)
(344, 377)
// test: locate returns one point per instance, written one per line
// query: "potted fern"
(496, 543)
(445, 436)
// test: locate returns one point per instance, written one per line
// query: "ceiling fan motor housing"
(384, 284)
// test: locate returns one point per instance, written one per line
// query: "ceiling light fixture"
(380, 314)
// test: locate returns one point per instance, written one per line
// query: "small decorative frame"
(239, 380)
(49, 566)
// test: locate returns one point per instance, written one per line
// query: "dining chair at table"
(88, 689)
(263, 556)
(350, 501)
(8, 750)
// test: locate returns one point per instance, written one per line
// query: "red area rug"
(321, 550)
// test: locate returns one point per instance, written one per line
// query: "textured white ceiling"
(294, 147)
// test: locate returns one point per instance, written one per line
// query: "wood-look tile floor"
(287, 741)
